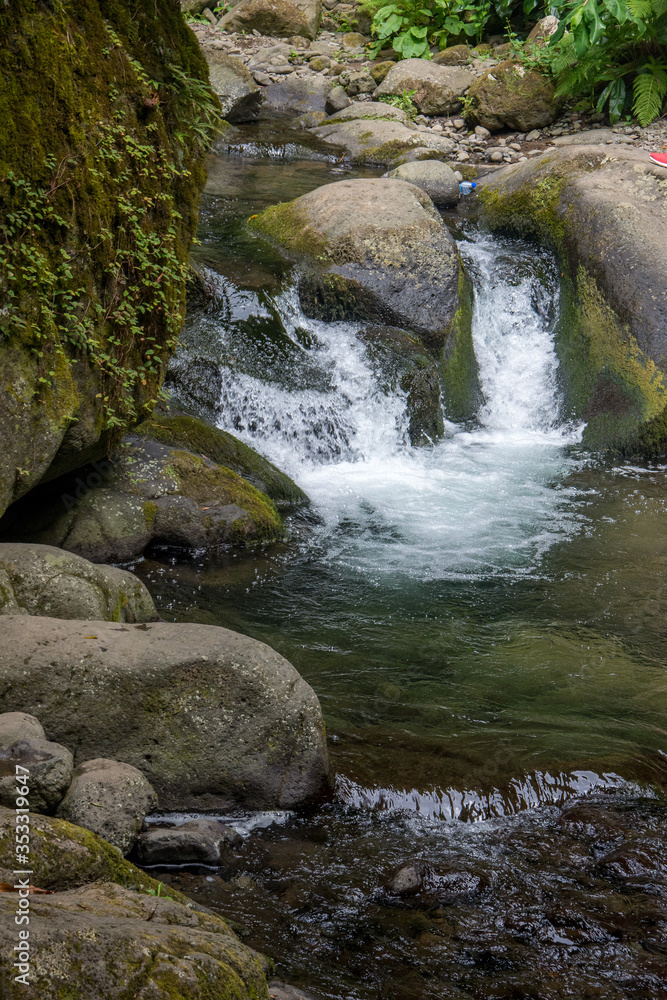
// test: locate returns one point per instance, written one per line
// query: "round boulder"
(435, 178)
(110, 798)
(438, 90)
(509, 94)
(19, 726)
(44, 768)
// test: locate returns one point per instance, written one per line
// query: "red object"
(659, 158)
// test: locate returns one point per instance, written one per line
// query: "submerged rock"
(239, 95)
(510, 95)
(210, 717)
(606, 216)
(109, 798)
(200, 841)
(281, 18)
(93, 941)
(438, 90)
(44, 580)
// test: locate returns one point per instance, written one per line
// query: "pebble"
(482, 132)
(496, 156)
(458, 123)
(462, 156)
(515, 146)
(533, 136)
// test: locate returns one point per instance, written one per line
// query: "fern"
(649, 91)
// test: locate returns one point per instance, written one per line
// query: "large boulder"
(438, 90)
(110, 798)
(148, 494)
(92, 281)
(435, 178)
(513, 96)
(44, 580)
(210, 717)
(105, 942)
(376, 133)
(281, 18)
(605, 213)
(374, 250)
(239, 95)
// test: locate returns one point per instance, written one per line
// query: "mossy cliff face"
(105, 115)
(606, 218)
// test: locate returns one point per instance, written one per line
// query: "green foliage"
(404, 102)
(612, 51)
(412, 26)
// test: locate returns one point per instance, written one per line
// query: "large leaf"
(617, 96)
(618, 9)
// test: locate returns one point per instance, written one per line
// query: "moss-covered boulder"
(195, 435)
(606, 216)
(511, 95)
(105, 116)
(104, 942)
(148, 494)
(377, 133)
(434, 89)
(44, 580)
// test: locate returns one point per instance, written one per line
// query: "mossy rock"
(102, 162)
(612, 335)
(511, 95)
(223, 448)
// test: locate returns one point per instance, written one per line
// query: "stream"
(483, 621)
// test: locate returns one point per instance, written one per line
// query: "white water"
(486, 499)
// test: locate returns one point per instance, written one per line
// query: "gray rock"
(408, 880)
(94, 941)
(586, 137)
(263, 57)
(239, 95)
(280, 18)
(380, 252)
(110, 798)
(211, 718)
(19, 726)
(432, 176)
(438, 89)
(336, 100)
(311, 120)
(198, 841)
(367, 110)
(193, 6)
(509, 94)
(300, 94)
(369, 141)
(50, 767)
(283, 991)
(360, 82)
(44, 580)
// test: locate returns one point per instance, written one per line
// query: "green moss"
(102, 144)
(201, 438)
(150, 513)
(203, 482)
(459, 369)
(289, 228)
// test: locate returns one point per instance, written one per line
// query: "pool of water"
(483, 621)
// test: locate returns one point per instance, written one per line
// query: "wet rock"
(299, 94)
(432, 176)
(408, 880)
(336, 100)
(239, 95)
(210, 717)
(93, 941)
(109, 798)
(47, 768)
(511, 95)
(280, 18)
(198, 841)
(455, 55)
(438, 90)
(283, 991)
(435, 882)
(152, 494)
(44, 580)
(374, 250)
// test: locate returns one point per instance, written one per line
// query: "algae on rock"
(105, 116)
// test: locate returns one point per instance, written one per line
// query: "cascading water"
(480, 501)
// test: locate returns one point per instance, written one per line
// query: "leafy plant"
(404, 102)
(412, 26)
(613, 51)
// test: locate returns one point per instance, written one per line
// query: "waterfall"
(485, 499)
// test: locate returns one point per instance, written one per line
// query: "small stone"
(515, 146)
(380, 70)
(458, 123)
(262, 78)
(318, 63)
(336, 100)
(458, 175)
(353, 40)
(437, 127)
(209, 15)
(462, 156)
(533, 135)
(482, 132)
(496, 156)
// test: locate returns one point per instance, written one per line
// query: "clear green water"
(484, 624)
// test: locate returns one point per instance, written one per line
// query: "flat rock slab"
(210, 717)
(94, 941)
(377, 140)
